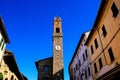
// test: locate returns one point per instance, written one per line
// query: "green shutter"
(1, 76)
(1, 42)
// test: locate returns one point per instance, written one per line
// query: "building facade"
(3, 39)
(6, 73)
(9, 69)
(57, 50)
(71, 72)
(103, 42)
(8, 66)
(83, 55)
(45, 69)
(56, 62)
(79, 67)
(103, 45)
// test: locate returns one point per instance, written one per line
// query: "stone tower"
(58, 71)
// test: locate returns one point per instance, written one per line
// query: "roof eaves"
(99, 14)
(3, 30)
(77, 48)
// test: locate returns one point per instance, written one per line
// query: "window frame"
(96, 43)
(115, 10)
(92, 50)
(89, 71)
(95, 68)
(3, 46)
(104, 31)
(100, 63)
(83, 57)
(46, 68)
(79, 62)
(85, 74)
(111, 54)
(1, 42)
(86, 54)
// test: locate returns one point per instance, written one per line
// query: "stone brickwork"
(44, 68)
(54, 65)
(57, 50)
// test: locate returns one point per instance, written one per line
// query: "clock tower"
(58, 71)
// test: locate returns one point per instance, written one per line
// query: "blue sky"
(29, 24)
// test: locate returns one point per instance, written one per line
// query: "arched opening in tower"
(57, 30)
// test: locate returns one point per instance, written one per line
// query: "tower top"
(57, 26)
(57, 19)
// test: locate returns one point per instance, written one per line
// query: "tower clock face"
(58, 47)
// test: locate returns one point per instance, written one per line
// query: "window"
(1, 41)
(3, 46)
(104, 31)
(12, 77)
(83, 57)
(74, 70)
(88, 71)
(79, 63)
(6, 78)
(92, 51)
(111, 54)
(100, 63)
(95, 67)
(85, 74)
(114, 9)
(5, 72)
(76, 67)
(46, 68)
(96, 44)
(57, 30)
(86, 53)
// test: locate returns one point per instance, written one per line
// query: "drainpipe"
(102, 46)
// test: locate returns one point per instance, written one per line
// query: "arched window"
(46, 68)
(12, 77)
(57, 30)
(6, 78)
